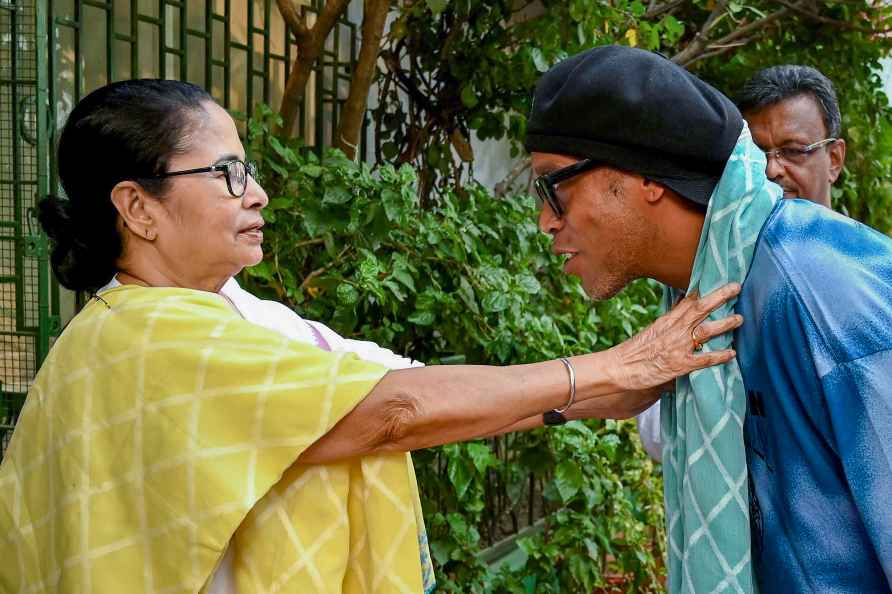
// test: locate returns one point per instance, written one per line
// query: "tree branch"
(655, 10)
(801, 10)
(747, 29)
(503, 186)
(295, 19)
(309, 46)
(374, 15)
(698, 43)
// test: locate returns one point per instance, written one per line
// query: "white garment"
(279, 318)
(649, 431)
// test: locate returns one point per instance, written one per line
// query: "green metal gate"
(53, 52)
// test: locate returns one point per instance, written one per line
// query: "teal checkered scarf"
(704, 462)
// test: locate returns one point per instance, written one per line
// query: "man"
(646, 171)
(794, 117)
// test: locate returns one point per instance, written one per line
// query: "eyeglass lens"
(237, 176)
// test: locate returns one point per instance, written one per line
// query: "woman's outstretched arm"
(417, 408)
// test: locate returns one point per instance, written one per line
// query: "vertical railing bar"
(78, 78)
(14, 17)
(109, 42)
(162, 36)
(249, 60)
(134, 38)
(208, 46)
(51, 88)
(267, 22)
(44, 284)
(184, 72)
(226, 52)
(335, 81)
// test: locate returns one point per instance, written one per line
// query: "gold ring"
(697, 344)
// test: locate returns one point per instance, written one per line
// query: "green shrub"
(469, 279)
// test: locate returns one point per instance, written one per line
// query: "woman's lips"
(255, 233)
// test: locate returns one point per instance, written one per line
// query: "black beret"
(637, 111)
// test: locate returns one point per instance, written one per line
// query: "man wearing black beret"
(777, 465)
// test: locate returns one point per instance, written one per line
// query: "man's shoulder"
(833, 270)
(800, 231)
(815, 247)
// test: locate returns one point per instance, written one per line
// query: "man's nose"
(774, 168)
(549, 222)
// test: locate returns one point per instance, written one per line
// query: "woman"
(170, 444)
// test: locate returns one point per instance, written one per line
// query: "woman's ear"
(136, 208)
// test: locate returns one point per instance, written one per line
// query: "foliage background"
(410, 254)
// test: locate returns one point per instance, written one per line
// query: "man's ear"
(136, 209)
(837, 159)
(653, 191)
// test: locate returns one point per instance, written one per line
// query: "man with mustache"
(777, 465)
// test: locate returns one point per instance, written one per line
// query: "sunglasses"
(545, 183)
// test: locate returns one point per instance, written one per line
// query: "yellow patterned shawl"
(163, 425)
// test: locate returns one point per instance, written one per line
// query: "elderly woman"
(183, 436)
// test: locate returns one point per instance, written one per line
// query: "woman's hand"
(669, 347)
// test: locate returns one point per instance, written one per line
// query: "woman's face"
(204, 232)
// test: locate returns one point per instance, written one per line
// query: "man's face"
(797, 122)
(601, 230)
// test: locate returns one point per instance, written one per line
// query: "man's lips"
(567, 255)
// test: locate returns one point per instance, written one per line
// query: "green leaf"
(336, 195)
(392, 204)
(528, 284)
(568, 479)
(469, 96)
(347, 294)
(482, 456)
(460, 475)
(466, 292)
(437, 6)
(495, 302)
(312, 170)
(539, 60)
(422, 318)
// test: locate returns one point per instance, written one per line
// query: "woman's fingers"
(704, 360)
(704, 331)
(706, 304)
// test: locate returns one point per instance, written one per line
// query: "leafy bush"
(470, 279)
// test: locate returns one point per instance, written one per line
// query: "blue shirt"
(815, 351)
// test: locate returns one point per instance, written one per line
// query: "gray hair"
(777, 83)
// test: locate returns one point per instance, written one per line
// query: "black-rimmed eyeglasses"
(545, 183)
(236, 173)
(796, 155)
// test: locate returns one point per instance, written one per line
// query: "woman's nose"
(255, 196)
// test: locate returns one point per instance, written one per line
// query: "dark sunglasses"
(545, 183)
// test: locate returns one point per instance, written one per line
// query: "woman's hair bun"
(56, 217)
(79, 265)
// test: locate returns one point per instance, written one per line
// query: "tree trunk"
(373, 18)
(310, 42)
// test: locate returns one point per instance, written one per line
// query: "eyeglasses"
(236, 173)
(797, 156)
(545, 183)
